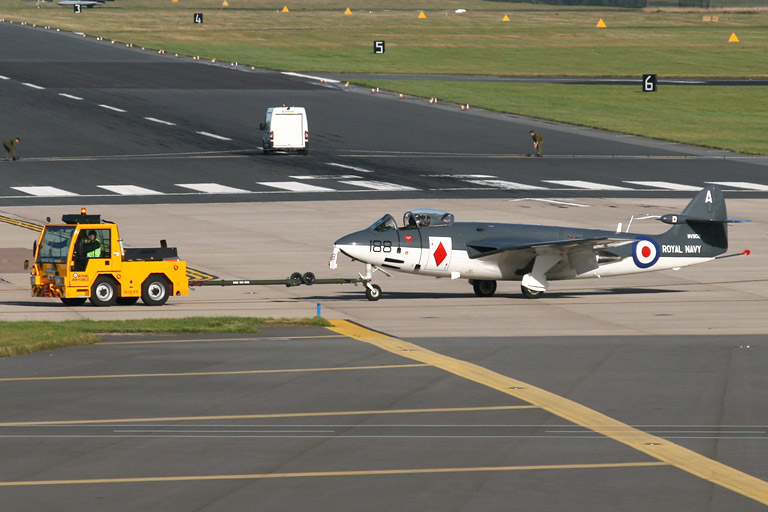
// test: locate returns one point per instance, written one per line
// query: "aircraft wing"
(483, 248)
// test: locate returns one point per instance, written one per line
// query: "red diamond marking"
(439, 254)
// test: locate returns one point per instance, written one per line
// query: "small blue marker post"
(319, 310)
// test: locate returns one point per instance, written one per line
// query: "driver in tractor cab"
(91, 246)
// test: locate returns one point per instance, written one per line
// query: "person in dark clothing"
(10, 147)
(91, 246)
(537, 140)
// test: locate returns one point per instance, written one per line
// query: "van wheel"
(103, 292)
(127, 301)
(74, 301)
(155, 290)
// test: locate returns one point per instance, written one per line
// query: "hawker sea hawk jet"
(430, 243)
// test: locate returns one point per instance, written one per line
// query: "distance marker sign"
(378, 47)
(649, 83)
(198, 17)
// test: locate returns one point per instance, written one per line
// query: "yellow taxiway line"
(260, 476)
(205, 374)
(118, 421)
(658, 448)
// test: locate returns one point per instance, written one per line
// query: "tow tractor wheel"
(484, 288)
(530, 294)
(155, 290)
(308, 278)
(74, 301)
(127, 301)
(103, 292)
(373, 293)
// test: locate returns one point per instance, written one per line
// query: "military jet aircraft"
(430, 243)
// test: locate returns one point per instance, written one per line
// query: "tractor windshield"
(54, 247)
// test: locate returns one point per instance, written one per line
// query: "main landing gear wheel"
(74, 301)
(484, 288)
(530, 294)
(373, 292)
(103, 292)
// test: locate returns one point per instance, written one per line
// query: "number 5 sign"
(378, 47)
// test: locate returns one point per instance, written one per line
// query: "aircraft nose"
(354, 245)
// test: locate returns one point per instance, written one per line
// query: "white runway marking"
(33, 85)
(741, 184)
(130, 190)
(110, 107)
(295, 186)
(350, 167)
(78, 98)
(213, 135)
(588, 185)
(45, 191)
(155, 120)
(326, 177)
(4, 77)
(319, 78)
(665, 185)
(459, 176)
(378, 185)
(212, 188)
(505, 185)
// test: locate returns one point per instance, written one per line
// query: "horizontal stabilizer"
(679, 218)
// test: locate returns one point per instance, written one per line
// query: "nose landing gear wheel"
(373, 293)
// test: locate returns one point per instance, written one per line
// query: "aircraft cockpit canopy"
(427, 217)
(386, 223)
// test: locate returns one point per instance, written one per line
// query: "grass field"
(537, 41)
(26, 337)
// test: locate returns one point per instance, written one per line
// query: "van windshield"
(54, 247)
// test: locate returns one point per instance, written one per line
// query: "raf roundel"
(645, 252)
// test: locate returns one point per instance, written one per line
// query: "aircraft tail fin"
(705, 219)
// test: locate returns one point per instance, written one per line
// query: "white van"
(285, 129)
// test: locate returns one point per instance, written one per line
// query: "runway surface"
(102, 123)
(634, 393)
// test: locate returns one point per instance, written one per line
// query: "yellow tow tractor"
(83, 258)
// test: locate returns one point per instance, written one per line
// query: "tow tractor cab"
(83, 258)
(285, 129)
